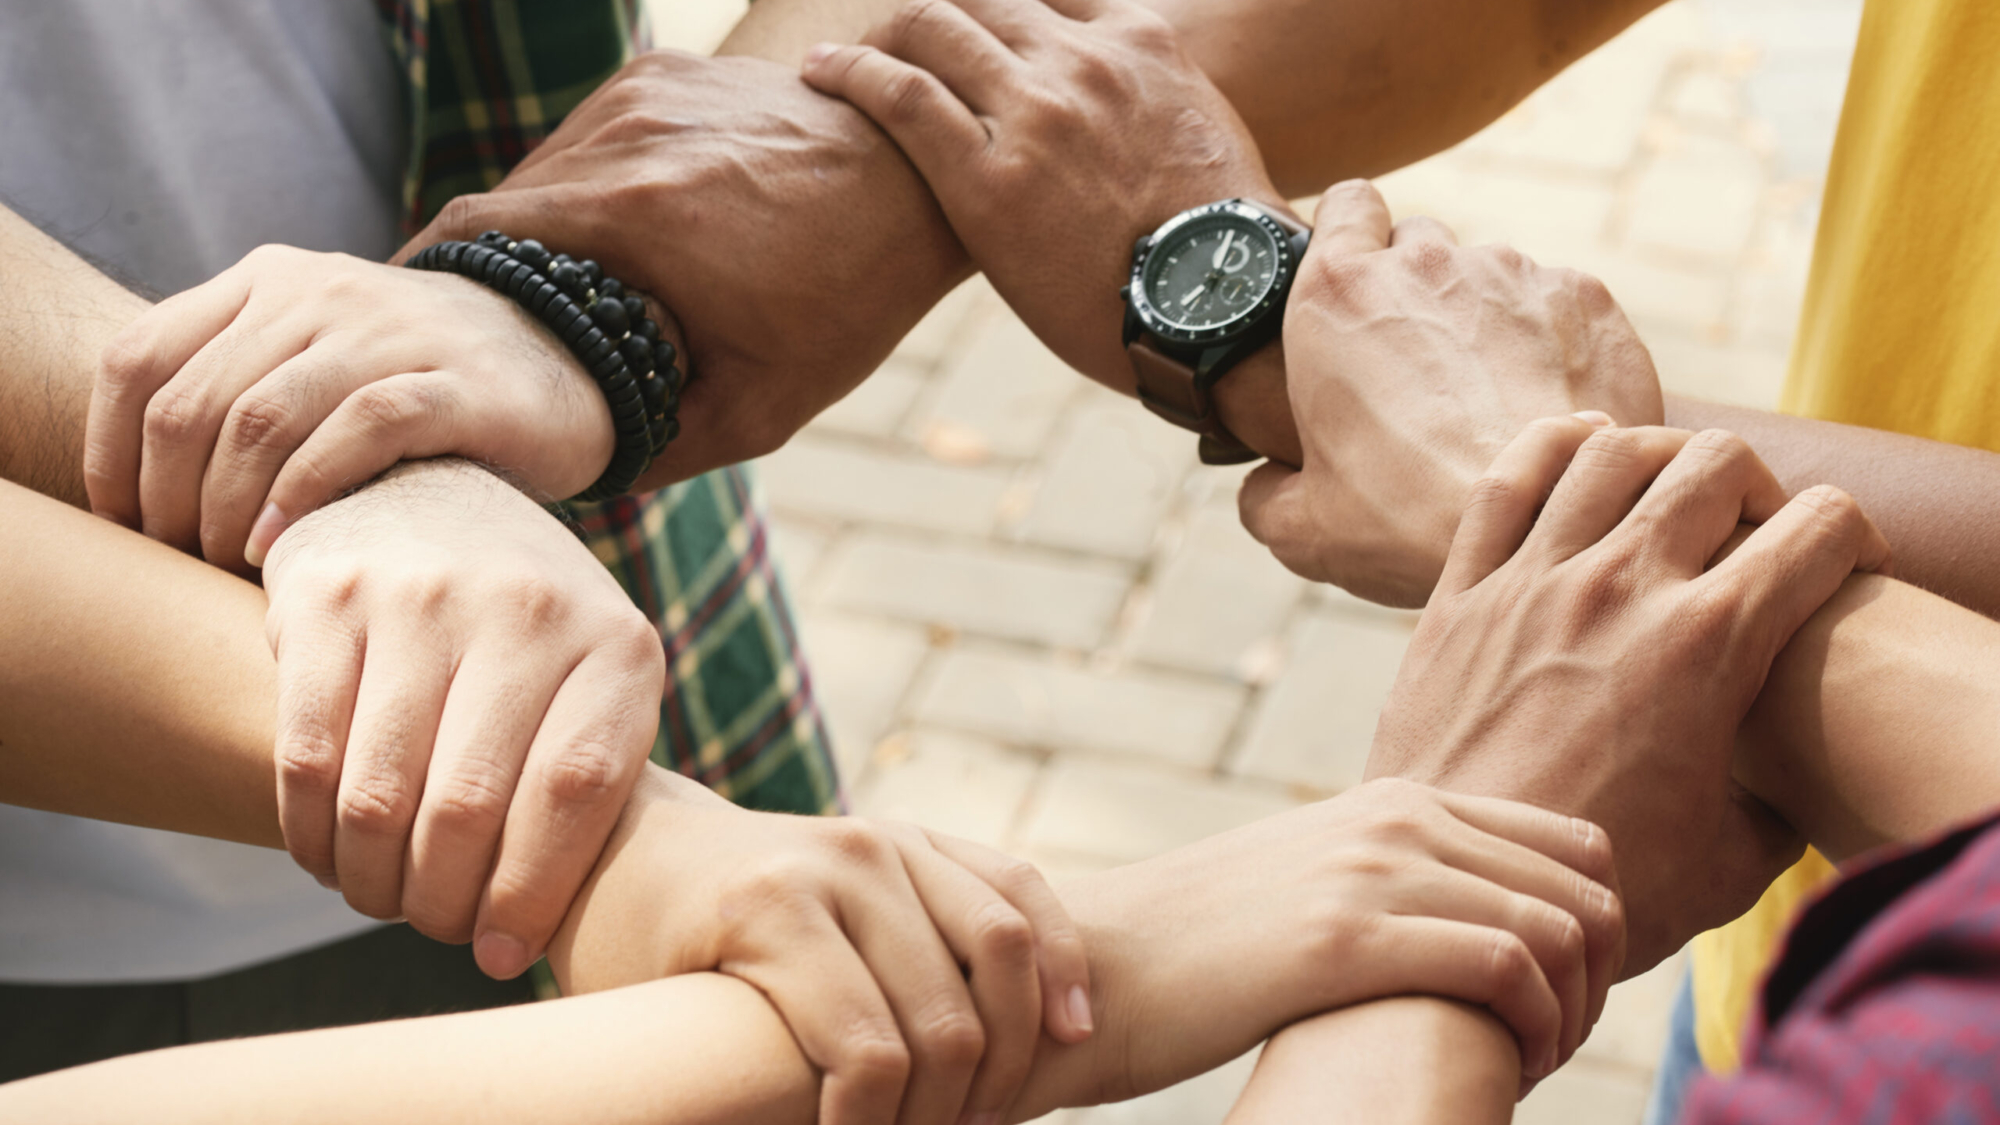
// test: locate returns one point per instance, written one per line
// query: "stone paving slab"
(1034, 620)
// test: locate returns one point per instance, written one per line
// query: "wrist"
(1407, 1059)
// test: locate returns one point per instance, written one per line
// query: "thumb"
(556, 214)
(1273, 504)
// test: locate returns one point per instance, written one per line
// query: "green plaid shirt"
(488, 80)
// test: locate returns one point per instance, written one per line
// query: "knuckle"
(1508, 959)
(1003, 936)
(1720, 450)
(470, 804)
(375, 805)
(257, 420)
(173, 415)
(1594, 849)
(308, 765)
(857, 842)
(907, 97)
(877, 1057)
(1509, 258)
(587, 773)
(952, 1038)
(383, 409)
(1591, 292)
(124, 361)
(1428, 261)
(1835, 508)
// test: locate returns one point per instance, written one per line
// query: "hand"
(788, 236)
(856, 931)
(465, 697)
(1411, 363)
(252, 400)
(1054, 136)
(1389, 888)
(1591, 660)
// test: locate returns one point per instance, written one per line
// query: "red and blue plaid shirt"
(1885, 1007)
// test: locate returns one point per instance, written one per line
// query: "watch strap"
(1172, 388)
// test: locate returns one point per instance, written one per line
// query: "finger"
(1571, 841)
(1476, 964)
(1585, 902)
(1352, 218)
(319, 674)
(489, 722)
(1788, 568)
(404, 418)
(925, 119)
(1506, 500)
(899, 940)
(835, 1008)
(1607, 476)
(186, 415)
(1714, 483)
(585, 757)
(404, 678)
(265, 425)
(1553, 938)
(137, 364)
(942, 38)
(1422, 228)
(1062, 963)
(996, 943)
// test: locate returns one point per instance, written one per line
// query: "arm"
(1939, 504)
(1878, 722)
(1411, 1060)
(1331, 90)
(56, 316)
(693, 1050)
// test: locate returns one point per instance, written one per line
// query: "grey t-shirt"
(164, 139)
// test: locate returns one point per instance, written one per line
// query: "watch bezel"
(1158, 324)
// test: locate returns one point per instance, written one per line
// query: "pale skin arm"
(699, 1049)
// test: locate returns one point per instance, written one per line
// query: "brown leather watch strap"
(1173, 390)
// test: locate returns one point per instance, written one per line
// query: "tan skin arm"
(56, 315)
(1331, 89)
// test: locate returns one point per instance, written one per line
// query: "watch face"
(1211, 272)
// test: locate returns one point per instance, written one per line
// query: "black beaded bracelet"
(604, 326)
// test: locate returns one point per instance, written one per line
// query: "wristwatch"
(1208, 288)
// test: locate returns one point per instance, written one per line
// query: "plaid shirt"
(1885, 1007)
(487, 81)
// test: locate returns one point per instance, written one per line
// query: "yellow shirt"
(1901, 329)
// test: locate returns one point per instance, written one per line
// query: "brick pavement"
(1034, 620)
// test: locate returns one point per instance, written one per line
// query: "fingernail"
(501, 956)
(1079, 1008)
(270, 524)
(1595, 417)
(330, 882)
(818, 51)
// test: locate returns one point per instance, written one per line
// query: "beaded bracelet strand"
(602, 324)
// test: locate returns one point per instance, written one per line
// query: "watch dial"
(1212, 272)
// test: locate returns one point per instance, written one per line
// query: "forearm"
(1938, 504)
(1403, 1061)
(135, 682)
(57, 313)
(688, 1050)
(1331, 90)
(1880, 721)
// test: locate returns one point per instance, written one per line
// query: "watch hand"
(1222, 251)
(1195, 292)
